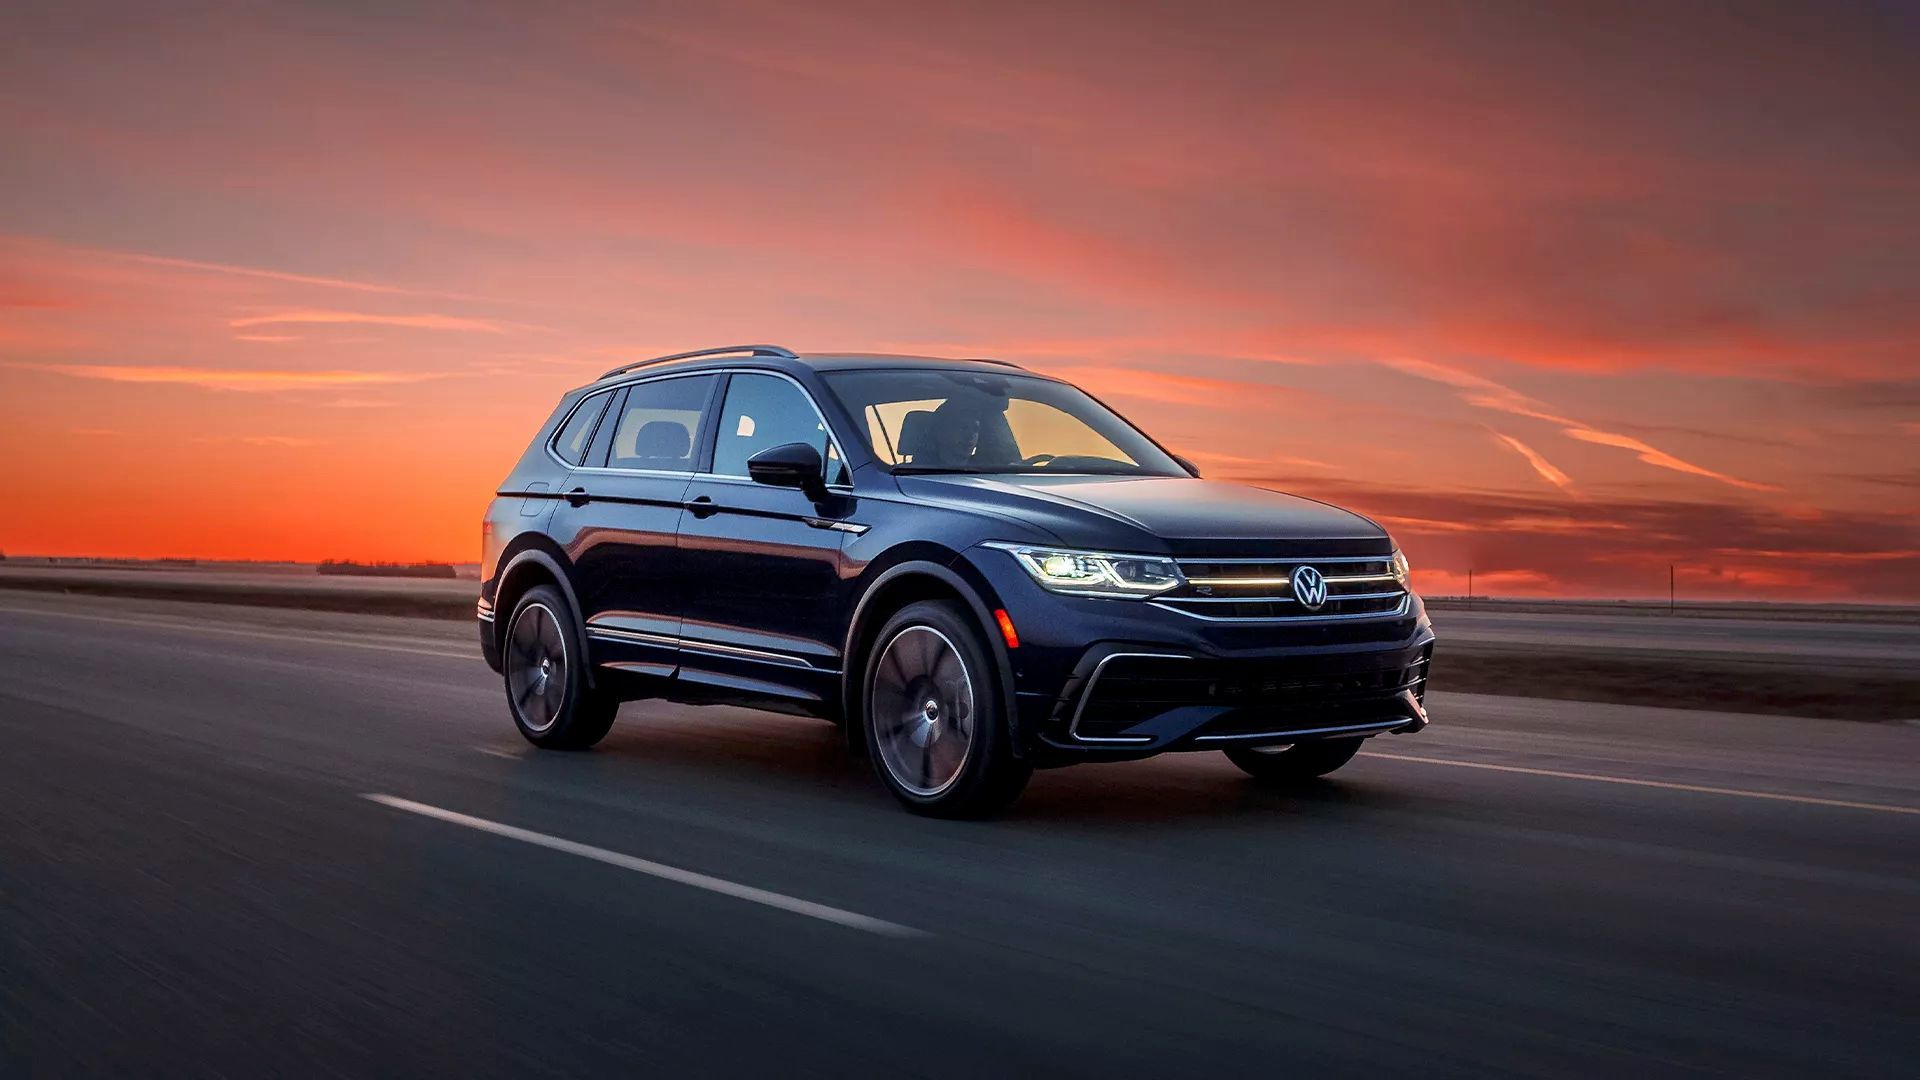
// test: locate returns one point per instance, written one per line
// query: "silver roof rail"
(724, 350)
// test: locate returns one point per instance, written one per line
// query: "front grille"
(1261, 695)
(1358, 587)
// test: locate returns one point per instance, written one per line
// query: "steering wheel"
(1038, 459)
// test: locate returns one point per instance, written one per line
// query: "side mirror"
(794, 465)
(1192, 469)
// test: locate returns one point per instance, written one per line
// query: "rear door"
(763, 562)
(620, 514)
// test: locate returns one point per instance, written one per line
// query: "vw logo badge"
(1309, 587)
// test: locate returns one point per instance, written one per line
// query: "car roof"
(780, 358)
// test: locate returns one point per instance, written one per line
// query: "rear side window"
(570, 442)
(658, 424)
(762, 411)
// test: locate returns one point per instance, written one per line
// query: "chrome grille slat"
(1214, 589)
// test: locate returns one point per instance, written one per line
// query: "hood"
(1183, 515)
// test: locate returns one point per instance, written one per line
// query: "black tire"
(932, 711)
(1294, 764)
(543, 663)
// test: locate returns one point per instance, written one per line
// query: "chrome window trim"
(609, 470)
(1086, 694)
(1398, 611)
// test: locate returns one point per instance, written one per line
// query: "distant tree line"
(387, 569)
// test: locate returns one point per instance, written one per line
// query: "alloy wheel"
(536, 667)
(921, 705)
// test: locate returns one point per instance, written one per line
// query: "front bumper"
(1099, 679)
(1123, 701)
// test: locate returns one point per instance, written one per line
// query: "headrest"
(916, 434)
(662, 439)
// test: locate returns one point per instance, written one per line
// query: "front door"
(620, 515)
(762, 562)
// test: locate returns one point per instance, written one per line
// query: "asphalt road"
(193, 881)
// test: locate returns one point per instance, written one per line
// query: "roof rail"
(991, 360)
(751, 350)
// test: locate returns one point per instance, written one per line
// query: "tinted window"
(763, 411)
(659, 424)
(970, 421)
(570, 442)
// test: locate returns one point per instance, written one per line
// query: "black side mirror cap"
(793, 465)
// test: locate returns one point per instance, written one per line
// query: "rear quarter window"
(570, 442)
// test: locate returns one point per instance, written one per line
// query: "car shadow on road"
(808, 761)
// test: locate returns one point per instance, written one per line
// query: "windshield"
(985, 422)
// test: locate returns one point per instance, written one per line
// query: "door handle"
(704, 506)
(579, 497)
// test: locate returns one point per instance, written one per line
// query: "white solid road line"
(1810, 800)
(748, 893)
(205, 628)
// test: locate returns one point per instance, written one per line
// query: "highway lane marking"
(1810, 800)
(494, 751)
(161, 624)
(837, 916)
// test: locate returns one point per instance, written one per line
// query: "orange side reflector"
(1006, 628)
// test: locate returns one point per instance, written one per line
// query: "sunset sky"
(1563, 294)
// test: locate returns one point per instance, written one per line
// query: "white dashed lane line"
(1559, 774)
(851, 919)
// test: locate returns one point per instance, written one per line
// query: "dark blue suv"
(973, 569)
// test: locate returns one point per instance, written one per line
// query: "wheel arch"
(909, 582)
(530, 566)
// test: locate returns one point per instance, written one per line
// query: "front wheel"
(935, 727)
(544, 661)
(1296, 763)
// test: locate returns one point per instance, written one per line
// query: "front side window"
(987, 422)
(763, 411)
(658, 425)
(570, 442)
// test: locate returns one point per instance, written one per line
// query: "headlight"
(1092, 573)
(1397, 566)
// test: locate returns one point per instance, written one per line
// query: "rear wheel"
(543, 660)
(935, 727)
(1294, 764)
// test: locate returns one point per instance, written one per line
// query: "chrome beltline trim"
(708, 647)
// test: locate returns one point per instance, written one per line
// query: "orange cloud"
(1540, 465)
(226, 379)
(1484, 393)
(1661, 459)
(418, 322)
